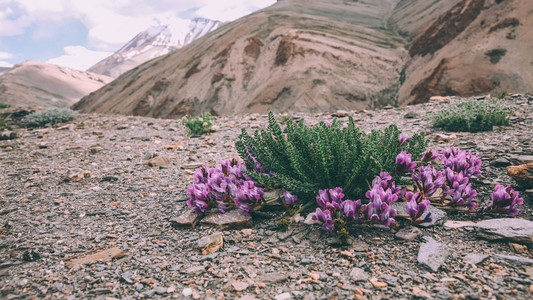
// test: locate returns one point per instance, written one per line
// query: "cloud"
(231, 10)
(79, 57)
(5, 64)
(5, 55)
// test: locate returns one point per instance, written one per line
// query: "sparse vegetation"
(495, 55)
(4, 105)
(472, 115)
(198, 125)
(50, 117)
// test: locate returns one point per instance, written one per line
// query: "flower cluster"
(404, 163)
(416, 206)
(461, 161)
(223, 187)
(381, 195)
(505, 200)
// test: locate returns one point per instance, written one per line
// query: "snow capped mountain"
(153, 42)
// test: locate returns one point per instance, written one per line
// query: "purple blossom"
(416, 206)
(328, 123)
(352, 209)
(379, 212)
(288, 199)
(458, 160)
(404, 163)
(325, 217)
(428, 180)
(505, 200)
(325, 202)
(401, 140)
(336, 194)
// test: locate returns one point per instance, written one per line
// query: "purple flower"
(351, 209)
(416, 206)
(404, 163)
(428, 180)
(458, 160)
(401, 140)
(325, 202)
(505, 200)
(458, 188)
(288, 199)
(325, 217)
(378, 211)
(336, 194)
(328, 123)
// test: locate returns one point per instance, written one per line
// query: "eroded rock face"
(523, 175)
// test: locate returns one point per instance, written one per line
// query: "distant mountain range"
(324, 55)
(154, 42)
(37, 84)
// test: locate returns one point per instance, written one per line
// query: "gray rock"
(210, 244)
(408, 233)
(186, 219)
(194, 270)
(474, 258)
(231, 219)
(158, 161)
(359, 274)
(432, 254)
(284, 296)
(438, 216)
(519, 260)
(506, 229)
(501, 162)
(273, 278)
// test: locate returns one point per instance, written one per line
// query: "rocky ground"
(86, 209)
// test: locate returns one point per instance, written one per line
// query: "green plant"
(3, 122)
(4, 105)
(50, 116)
(495, 55)
(198, 125)
(308, 159)
(472, 115)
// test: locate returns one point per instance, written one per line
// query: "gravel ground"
(77, 189)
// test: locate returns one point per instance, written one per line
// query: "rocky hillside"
(154, 42)
(44, 85)
(325, 55)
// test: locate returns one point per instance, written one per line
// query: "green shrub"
(198, 125)
(308, 159)
(495, 55)
(50, 116)
(4, 105)
(472, 115)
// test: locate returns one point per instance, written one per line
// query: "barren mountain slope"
(477, 46)
(152, 43)
(293, 56)
(45, 85)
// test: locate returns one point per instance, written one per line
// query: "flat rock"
(458, 224)
(340, 113)
(408, 233)
(158, 161)
(432, 254)
(186, 219)
(474, 258)
(239, 286)
(192, 166)
(506, 229)
(519, 260)
(438, 216)
(358, 274)
(210, 244)
(273, 278)
(102, 256)
(231, 219)
(523, 175)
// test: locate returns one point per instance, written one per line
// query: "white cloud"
(79, 57)
(5, 55)
(232, 9)
(5, 64)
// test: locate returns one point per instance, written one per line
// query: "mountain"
(154, 42)
(44, 85)
(311, 55)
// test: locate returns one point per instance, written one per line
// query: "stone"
(309, 220)
(102, 256)
(417, 291)
(519, 249)
(158, 161)
(239, 286)
(284, 296)
(438, 216)
(507, 229)
(379, 284)
(186, 219)
(474, 258)
(314, 276)
(432, 254)
(522, 159)
(458, 224)
(210, 244)
(76, 174)
(231, 219)
(358, 274)
(196, 270)
(340, 114)
(187, 292)
(359, 246)
(519, 260)
(523, 175)
(408, 233)
(192, 166)
(501, 162)
(445, 137)
(273, 278)
(439, 98)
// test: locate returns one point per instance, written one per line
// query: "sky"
(79, 33)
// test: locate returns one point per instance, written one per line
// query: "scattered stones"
(231, 219)
(523, 175)
(102, 256)
(210, 244)
(432, 254)
(519, 260)
(358, 274)
(506, 229)
(458, 224)
(474, 258)
(408, 233)
(186, 219)
(76, 174)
